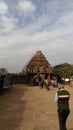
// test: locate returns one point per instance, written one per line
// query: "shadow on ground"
(12, 107)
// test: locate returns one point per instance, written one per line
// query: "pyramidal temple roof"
(38, 63)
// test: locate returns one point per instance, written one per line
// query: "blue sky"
(27, 26)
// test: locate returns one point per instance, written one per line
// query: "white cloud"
(66, 20)
(27, 7)
(8, 24)
(3, 8)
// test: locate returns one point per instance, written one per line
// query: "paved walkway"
(31, 108)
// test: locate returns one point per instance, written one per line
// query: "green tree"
(3, 71)
(65, 69)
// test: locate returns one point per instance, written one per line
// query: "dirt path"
(31, 108)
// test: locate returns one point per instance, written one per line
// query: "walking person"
(62, 97)
(42, 82)
(47, 84)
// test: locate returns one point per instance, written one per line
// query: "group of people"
(42, 81)
(62, 97)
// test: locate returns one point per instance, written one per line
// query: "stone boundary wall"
(18, 79)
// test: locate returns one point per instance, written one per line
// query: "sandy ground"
(26, 107)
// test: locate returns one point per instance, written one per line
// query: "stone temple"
(38, 63)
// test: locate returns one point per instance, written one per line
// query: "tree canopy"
(64, 70)
(3, 71)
